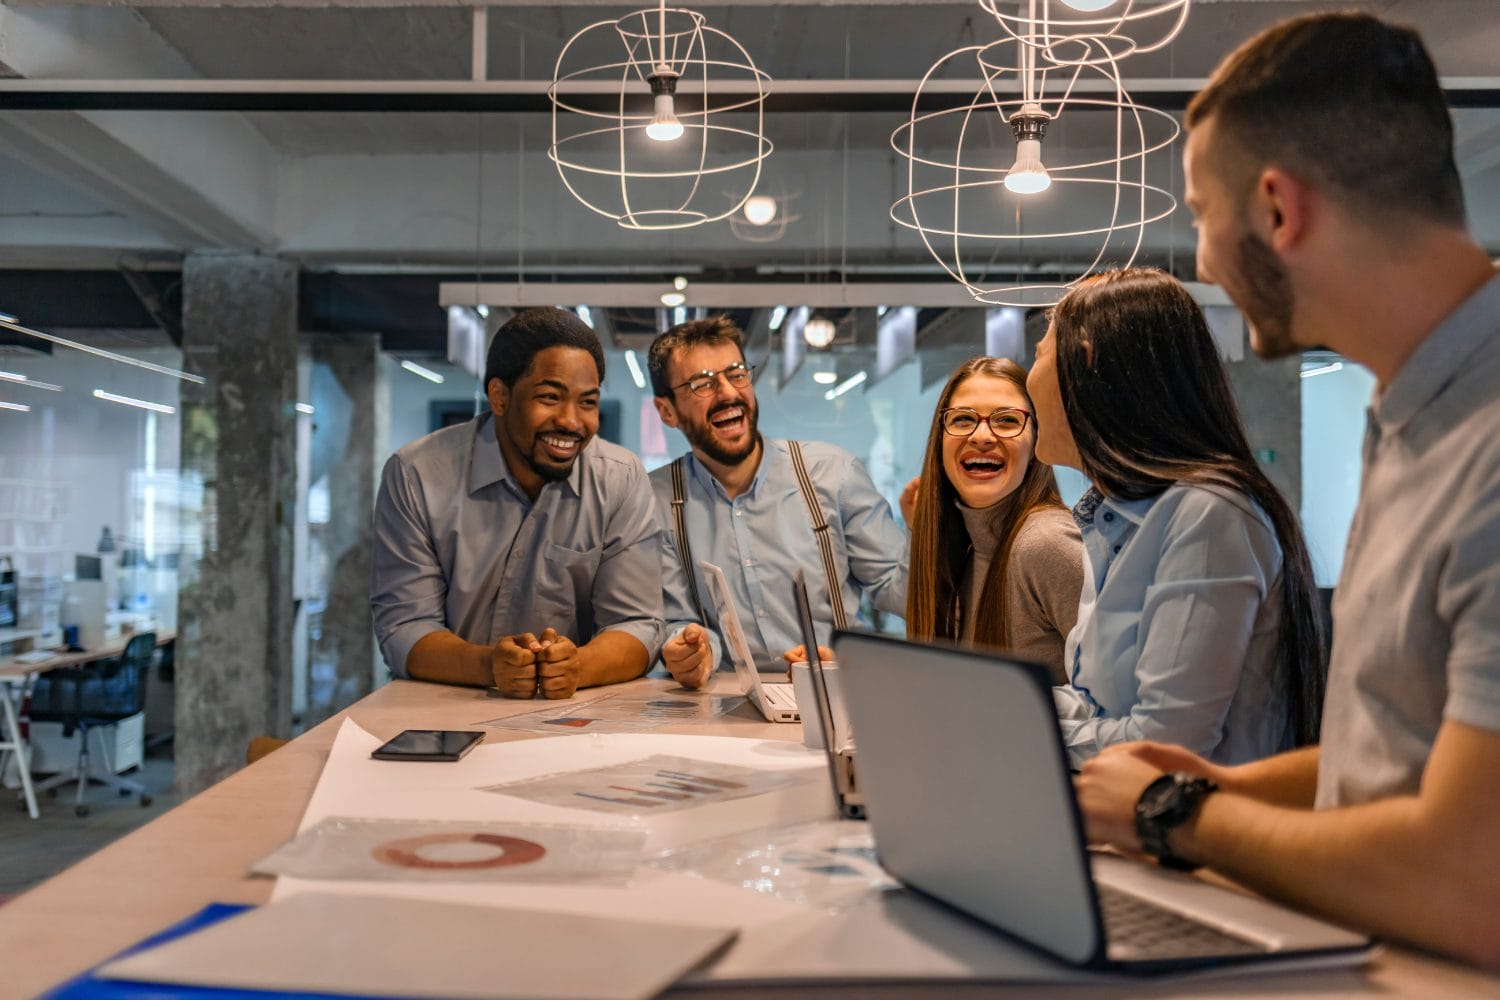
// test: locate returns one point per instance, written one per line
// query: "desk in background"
(15, 680)
(198, 852)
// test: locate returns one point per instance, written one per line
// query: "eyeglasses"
(705, 382)
(1006, 422)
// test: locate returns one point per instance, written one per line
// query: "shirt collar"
(710, 483)
(487, 466)
(1088, 506)
(1439, 359)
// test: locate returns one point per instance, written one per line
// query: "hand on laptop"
(559, 668)
(798, 654)
(689, 657)
(1110, 784)
(514, 665)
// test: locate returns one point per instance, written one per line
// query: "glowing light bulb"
(672, 299)
(818, 332)
(1027, 175)
(760, 210)
(1088, 6)
(664, 126)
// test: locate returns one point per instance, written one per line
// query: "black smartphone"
(429, 744)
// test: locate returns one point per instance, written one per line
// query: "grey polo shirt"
(1416, 633)
(459, 547)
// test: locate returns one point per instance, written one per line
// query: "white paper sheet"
(404, 947)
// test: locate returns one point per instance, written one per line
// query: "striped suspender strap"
(820, 532)
(679, 525)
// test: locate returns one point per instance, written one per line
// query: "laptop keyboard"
(779, 696)
(1137, 929)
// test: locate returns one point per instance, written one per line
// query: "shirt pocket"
(566, 570)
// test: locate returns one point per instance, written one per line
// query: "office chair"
(87, 698)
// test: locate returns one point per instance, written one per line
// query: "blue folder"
(90, 987)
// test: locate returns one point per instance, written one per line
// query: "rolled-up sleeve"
(877, 547)
(1217, 566)
(408, 588)
(627, 594)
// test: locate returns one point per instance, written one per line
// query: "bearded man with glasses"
(756, 508)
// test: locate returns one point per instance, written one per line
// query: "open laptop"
(838, 746)
(774, 700)
(971, 802)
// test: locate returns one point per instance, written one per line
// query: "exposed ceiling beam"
(821, 96)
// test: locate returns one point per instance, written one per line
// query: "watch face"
(1160, 797)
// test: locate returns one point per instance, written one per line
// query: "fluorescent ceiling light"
(483, 310)
(10, 324)
(1337, 366)
(825, 378)
(20, 379)
(421, 372)
(672, 299)
(844, 386)
(679, 282)
(777, 315)
(132, 401)
(306, 408)
(18, 407)
(635, 370)
(586, 315)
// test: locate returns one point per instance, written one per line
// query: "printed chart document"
(378, 946)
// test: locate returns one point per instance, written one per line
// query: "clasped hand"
(526, 663)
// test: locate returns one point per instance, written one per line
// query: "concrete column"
(238, 434)
(348, 411)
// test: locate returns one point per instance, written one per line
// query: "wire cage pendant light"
(653, 115)
(1050, 151)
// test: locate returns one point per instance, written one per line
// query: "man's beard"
(701, 436)
(1266, 298)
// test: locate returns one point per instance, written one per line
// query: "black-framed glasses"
(1006, 422)
(705, 382)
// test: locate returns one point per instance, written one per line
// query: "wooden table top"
(198, 852)
(10, 667)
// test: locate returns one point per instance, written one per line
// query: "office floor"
(33, 850)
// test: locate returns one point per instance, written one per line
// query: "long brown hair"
(940, 541)
(1149, 404)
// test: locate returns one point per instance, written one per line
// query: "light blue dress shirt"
(1177, 630)
(762, 537)
(460, 547)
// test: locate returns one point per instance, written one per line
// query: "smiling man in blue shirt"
(746, 510)
(518, 550)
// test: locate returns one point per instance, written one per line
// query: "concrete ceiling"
(474, 191)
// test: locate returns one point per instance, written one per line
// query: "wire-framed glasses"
(705, 382)
(1006, 422)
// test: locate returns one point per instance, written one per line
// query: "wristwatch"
(1167, 803)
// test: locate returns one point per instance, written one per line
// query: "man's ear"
(1281, 208)
(499, 396)
(665, 410)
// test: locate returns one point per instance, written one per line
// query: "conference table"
(198, 853)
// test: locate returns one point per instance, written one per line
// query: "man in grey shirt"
(1320, 168)
(517, 550)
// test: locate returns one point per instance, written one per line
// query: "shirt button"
(761, 613)
(1117, 548)
(739, 513)
(1108, 516)
(747, 562)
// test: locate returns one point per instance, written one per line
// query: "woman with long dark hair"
(995, 557)
(1197, 624)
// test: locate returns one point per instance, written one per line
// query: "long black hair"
(1149, 404)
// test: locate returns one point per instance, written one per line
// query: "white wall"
(95, 448)
(1333, 428)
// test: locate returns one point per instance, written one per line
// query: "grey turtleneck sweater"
(1042, 588)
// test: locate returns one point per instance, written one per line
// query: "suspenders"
(820, 529)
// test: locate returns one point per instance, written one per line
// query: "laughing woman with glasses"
(995, 559)
(1197, 624)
